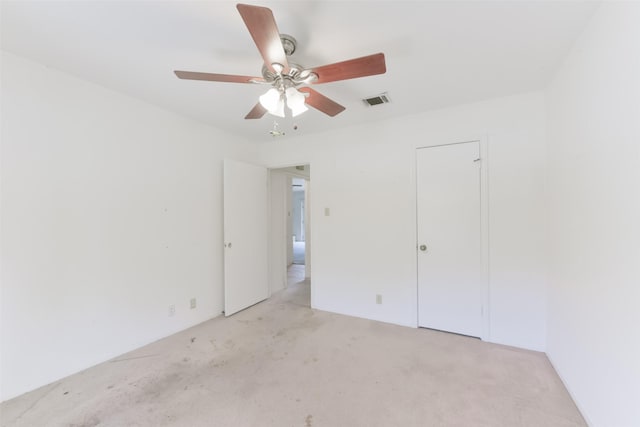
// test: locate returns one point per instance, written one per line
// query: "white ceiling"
(438, 53)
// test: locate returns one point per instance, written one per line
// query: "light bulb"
(279, 111)
(295, 101)
(272, 102)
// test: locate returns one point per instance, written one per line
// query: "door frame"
(484, 223)
(309, 234)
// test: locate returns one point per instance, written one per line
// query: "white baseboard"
(573, 396)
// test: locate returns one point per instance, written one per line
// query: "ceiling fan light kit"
(295, 101)
(273, 102)
(284, 77)
(274, 99)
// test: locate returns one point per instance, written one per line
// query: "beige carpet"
(280, 363)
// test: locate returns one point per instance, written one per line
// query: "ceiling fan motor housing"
(289, 44)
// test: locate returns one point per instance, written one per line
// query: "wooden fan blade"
(256, 112)
(351, 69)
(262, 26)
(321, 102)
(229, 78)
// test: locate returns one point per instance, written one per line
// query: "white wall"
(594, 217)
(366, 176)
(278, 220)
(111, 211)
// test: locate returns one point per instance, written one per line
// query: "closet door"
(450, 275)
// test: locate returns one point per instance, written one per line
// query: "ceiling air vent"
(383, 98)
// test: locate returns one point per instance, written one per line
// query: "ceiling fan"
(285, 77)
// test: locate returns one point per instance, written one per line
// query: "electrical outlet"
(172, 310)
(193, 303)
(378, 299)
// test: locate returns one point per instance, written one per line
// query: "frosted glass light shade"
(279, 111)
(272, 101)
(295, 101)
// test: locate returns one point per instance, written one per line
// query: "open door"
(245, 236)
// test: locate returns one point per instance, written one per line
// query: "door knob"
(423, 248)
(227, 245)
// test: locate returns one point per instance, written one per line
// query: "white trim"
(484, 230)
(573, 396)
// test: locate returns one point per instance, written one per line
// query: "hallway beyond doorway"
(298, 252)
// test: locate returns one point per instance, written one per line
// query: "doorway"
(290, 237)
(451, 240)
(297, 222)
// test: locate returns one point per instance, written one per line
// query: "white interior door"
(450, 276)
(245, 236)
